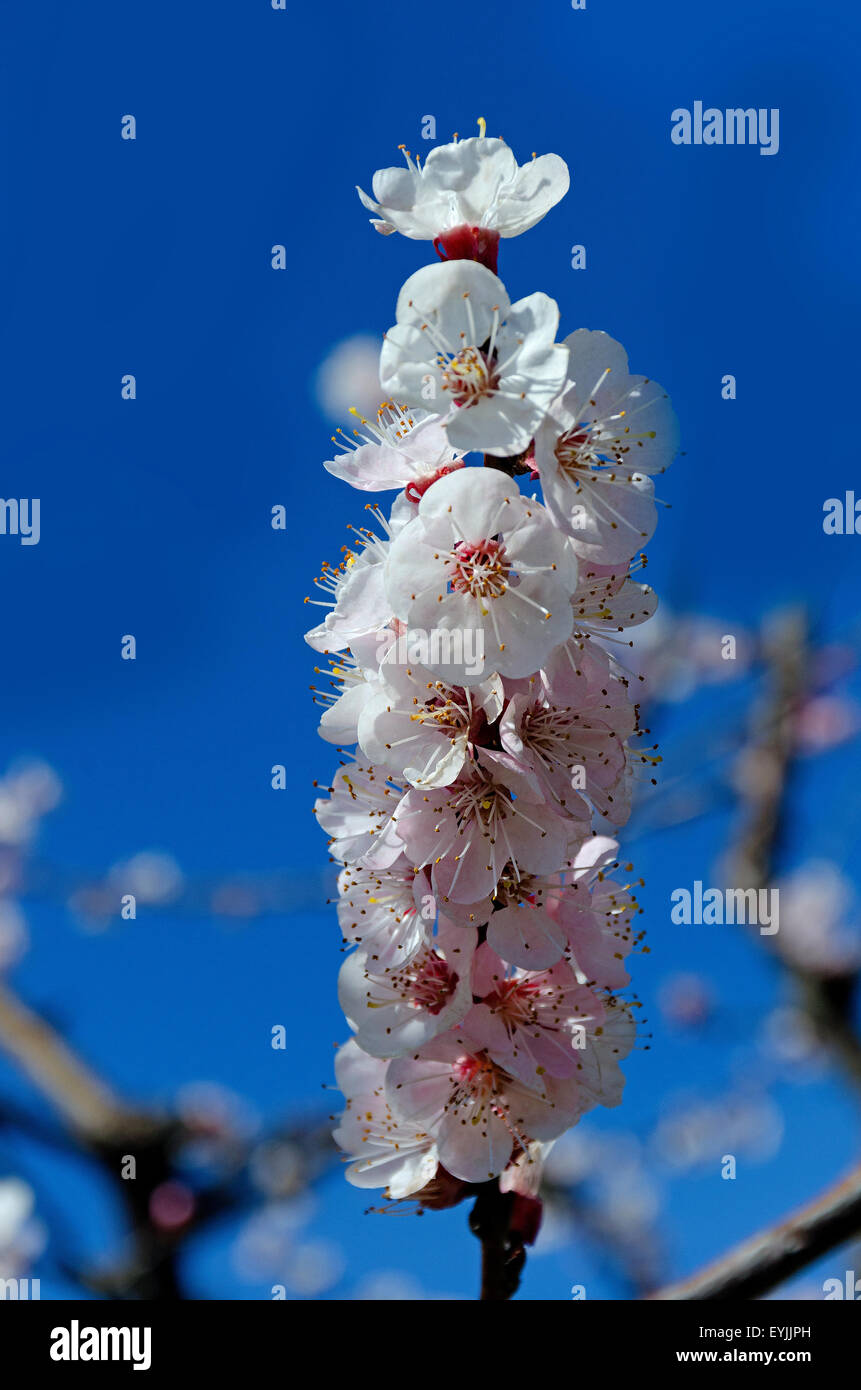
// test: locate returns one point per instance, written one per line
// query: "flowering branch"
(771, 1257)
(471, 639)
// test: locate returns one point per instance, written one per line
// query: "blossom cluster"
(469, 632)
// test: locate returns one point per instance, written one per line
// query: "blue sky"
(153, 257)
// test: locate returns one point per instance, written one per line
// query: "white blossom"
(603, 437)
(406, 448)
(492, 368)
(388, 1151)
(475, 185)
(395, 1009)
(480, 558)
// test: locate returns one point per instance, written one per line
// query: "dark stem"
(516, 463)
(503, 1253)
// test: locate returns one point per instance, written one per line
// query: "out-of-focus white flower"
(272, 1245)
(27, 792)
(695, 1133)
(614, 1168)
(825, 721)
(152, 876)
(208, 1107)
(349, 377)
(616, 1186)
(686, 1000)
(789, 1035)
(390, 1285)
(22, 1236)
(314, 1267)
(678, 653)
(815, 903)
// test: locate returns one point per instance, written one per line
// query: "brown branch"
(828, 1000)
(768, 1259)
(771, 751)
(100, 1122)
(111, 1131)
(85, 1102)
(503, 1253)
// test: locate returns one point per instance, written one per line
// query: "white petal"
(436, 293)
(537, 188)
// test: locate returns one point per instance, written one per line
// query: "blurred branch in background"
(597, 1190)
(92, 1113)
(763, 777)
(174, 1171)
(163, 1206)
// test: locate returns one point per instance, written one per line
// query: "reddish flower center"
(434, 985)
(418, 487)
(467, 243)
(475, 1073)
(515, 1001)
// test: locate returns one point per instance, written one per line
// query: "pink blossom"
(359, 816)
(396, 1009)
(388, 1151)
(390, 912)
(475, 1109)
(533, 1023)
(421, 727)
(468, 832)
